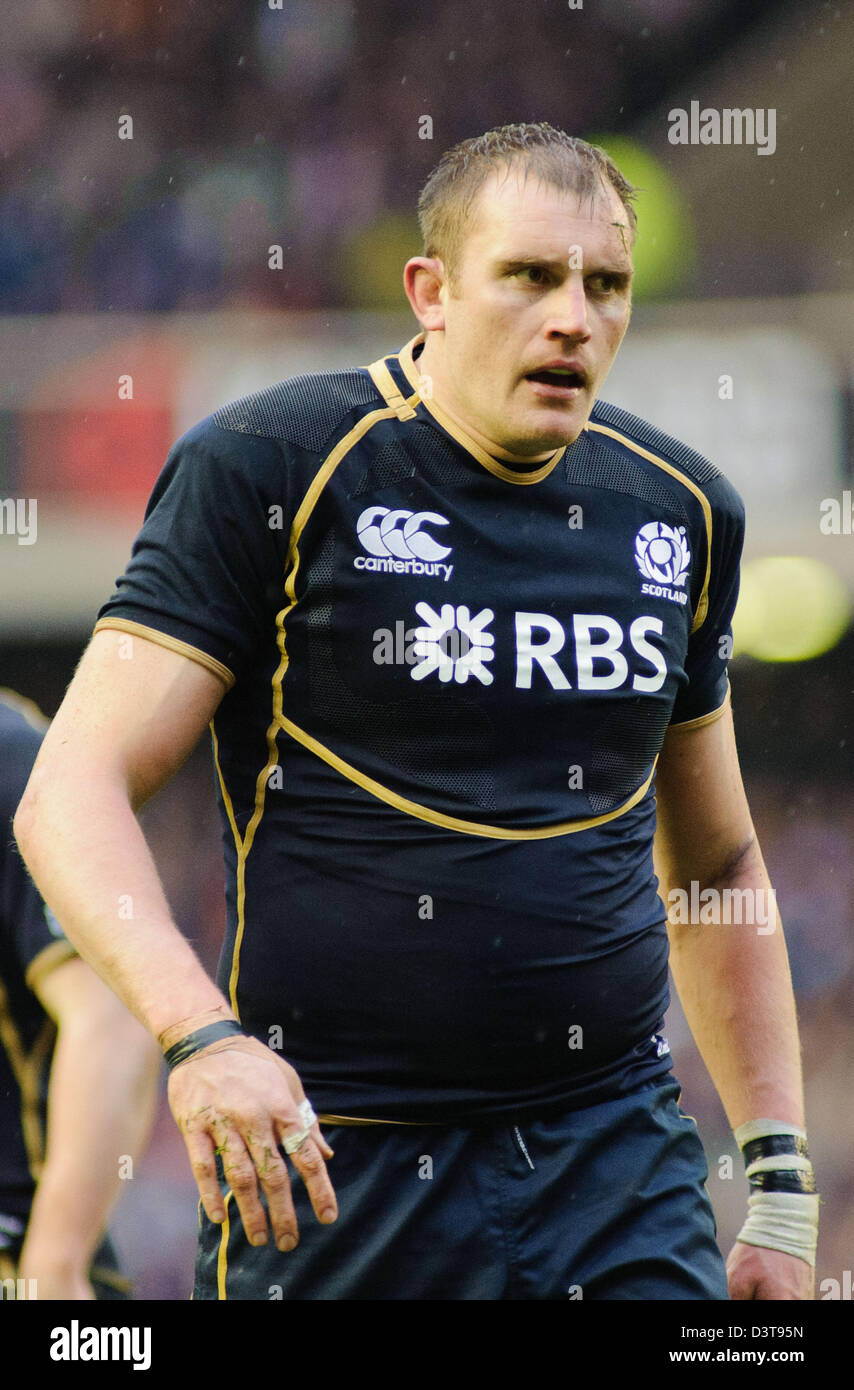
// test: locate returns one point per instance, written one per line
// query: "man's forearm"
(735, 987)
(102, 1094)
(90, 861)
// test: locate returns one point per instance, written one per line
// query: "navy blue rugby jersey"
(448, 681)
(31, 942)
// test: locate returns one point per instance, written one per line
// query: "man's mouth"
(558, 381)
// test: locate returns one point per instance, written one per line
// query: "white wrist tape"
(779, 1220)
(785, 1221)
(760, 1129)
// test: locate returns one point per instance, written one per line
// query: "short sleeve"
(710, 647)
(206, 573)
(31, 935)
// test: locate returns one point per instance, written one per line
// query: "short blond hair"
(572, 165)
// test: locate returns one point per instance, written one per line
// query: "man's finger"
(308, 1159)
(200, 1149)
(309, 1162)
(242, 1178)
(308, 1148)
(275, 1180)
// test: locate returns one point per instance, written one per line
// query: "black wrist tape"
(783, 1180)
(772, 1144)
(194, 1042)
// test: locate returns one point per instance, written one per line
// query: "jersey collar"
(492, 465)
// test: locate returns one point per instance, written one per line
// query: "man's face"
(539, 306)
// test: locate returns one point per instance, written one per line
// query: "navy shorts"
(607, 1202)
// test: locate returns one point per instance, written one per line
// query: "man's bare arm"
(125, 727)
(101, 1101)
(733, 979)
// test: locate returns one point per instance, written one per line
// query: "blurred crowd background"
(302, 126)
(299, 123)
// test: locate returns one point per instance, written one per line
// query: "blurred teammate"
(448, 615)
(78, 1076)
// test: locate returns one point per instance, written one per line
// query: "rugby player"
(65, 1040)
(446, 957)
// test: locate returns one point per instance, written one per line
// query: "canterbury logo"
(396, 543)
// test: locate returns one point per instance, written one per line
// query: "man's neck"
(427, 366)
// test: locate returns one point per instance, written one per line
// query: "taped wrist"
(783, 1203)
(202, 1037)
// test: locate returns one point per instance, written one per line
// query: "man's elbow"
(25, 823)
(57, 788)
(42, 796)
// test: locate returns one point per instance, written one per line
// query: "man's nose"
(568, 310)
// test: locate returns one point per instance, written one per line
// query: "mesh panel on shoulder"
(304, 410)
(692, 463)
(419, 738)
(588, 463)
(437, 458)
(390, 465)
(423, 451)
(625, 744)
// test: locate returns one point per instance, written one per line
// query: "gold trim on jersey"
(353, 1120)
(703, 602)
(466, 827)
(222, 1257)
(240, 881)
(174, 644)
(26, 1069)
(702, 719)
(492, 465)
(229, 805)
(385, 384)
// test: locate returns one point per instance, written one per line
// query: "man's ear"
(424, 282)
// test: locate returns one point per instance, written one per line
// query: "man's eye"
(603, 284)
(538, 274)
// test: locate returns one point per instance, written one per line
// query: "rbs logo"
(598, 644)
(456, 645)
